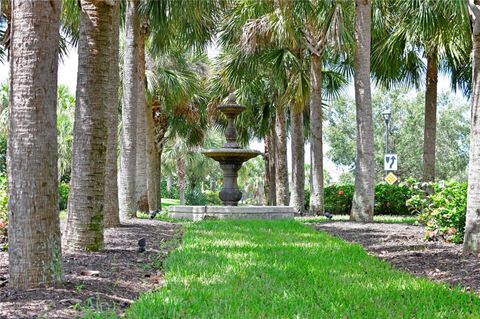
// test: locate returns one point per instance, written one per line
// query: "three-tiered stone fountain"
(231, 158)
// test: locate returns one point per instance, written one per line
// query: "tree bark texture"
(430, 128)
(112, 217)
(266, 177)
(34, 245)
(297, 199)
(281, 163)
(272, 159)
(142, 113)
(169, 183)
(316, 132)
(87, 185)
(128, 149)
(364, 194)
(471, 243)
(181, 172)
(153, 161)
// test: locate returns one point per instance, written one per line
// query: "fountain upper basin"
(234, 155)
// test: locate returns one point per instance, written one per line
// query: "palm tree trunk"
(281, 165)
(364, 194)
(471, 242)
(112, 218)
(181, 178)
(34, 245)
(128, 150)
(430, 128)
(298, 161)
(153, 161)
(142, 113)
(266, 177)
(87, 184)
(169, 183)
(316, 131)
(272, 160)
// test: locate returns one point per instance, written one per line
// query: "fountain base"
(231, 212)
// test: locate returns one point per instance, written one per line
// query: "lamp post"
(386, 116)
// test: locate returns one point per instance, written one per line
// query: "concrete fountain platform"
(231, 212)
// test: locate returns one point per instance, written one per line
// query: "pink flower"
(340, 192)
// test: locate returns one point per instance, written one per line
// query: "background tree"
(111, 208)
(87, 184)
(406, 125)
(35, 257)
(408, 32)
(128, 155)
(364, 195)
(472, 228)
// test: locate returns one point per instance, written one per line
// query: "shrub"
(63, 190)
(392, 199)
(195, 197)
(389, 199)
(212, 197)
(173, 193)
(442, 208)
(338, 199)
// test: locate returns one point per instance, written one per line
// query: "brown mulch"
(404, 247)
(110, 279)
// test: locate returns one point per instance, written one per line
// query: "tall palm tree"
(281, 160)
(111, 208)
(87, 184)
(35, 257)
(472, 228)
(141, 105)
(364, 195)
(297, 198)
(128, 154)
(405, 33)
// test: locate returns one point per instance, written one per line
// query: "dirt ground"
(110, 279)
(403, 246)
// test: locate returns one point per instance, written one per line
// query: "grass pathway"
(284, 269)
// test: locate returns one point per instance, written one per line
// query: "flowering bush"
(442, 208)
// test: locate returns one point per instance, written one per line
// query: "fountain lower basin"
(231, 212)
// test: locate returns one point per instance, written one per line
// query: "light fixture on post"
(386, 116)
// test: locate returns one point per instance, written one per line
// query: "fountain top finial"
(232, 98)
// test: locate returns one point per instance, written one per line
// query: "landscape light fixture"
(386, 116)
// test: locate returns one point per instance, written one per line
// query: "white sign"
(390, 163)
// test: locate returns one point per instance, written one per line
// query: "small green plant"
(79, 288)
(63, 190)
(442, 208)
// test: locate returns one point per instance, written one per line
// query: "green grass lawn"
(166, 202)
(393, 219)
(285, 269)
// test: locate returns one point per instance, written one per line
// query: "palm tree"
(281, 160)
(297, 198)
(142, 113)
(472, 227)
(87, 185)
(128, 153)
(407, 31)
(35, 257)
(111, 209)
(364, 195)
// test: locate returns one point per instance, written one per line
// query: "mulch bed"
(404, 247)
(110, 279)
